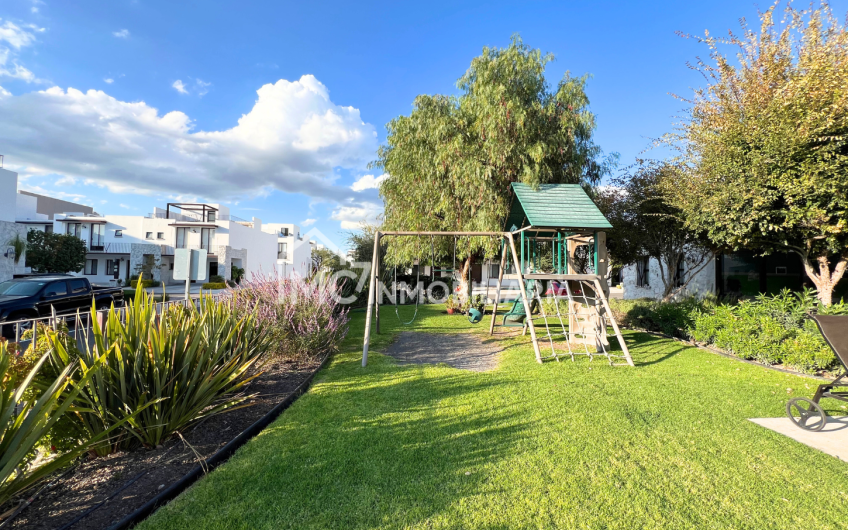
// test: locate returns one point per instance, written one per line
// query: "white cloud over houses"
(367, 182)
(122, 33)
(291, 140)
(352, 217)
(308, 222)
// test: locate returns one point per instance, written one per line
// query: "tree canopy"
(451, 161)
(764, 145)
(645, 225)
(52, 252)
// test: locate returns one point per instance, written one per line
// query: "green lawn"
(559, 445)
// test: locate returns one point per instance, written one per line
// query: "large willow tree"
(451, 161)
(765, 143)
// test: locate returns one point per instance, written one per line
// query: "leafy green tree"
(645, 225)
(52, 252)
(765, 144)
(451, 161)
(325, 260)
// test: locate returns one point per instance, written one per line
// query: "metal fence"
(79, 324)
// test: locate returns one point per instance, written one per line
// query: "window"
(680, 273)
(160, 235)
(90, 267)
(48, 229)
(56, 289)
(119, 233)
(20, 288)
(171, 266)
(148, 235)
(282, 251)
(210, 217)
(182, 237)
(643, 271)
(206, 237)
(494, 270)
(113, 267)
(78, 286)
(75, 229)
(97, 236)
(284, 232)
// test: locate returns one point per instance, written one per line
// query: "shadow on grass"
(393, 432)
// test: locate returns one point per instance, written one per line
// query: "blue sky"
(170, 81)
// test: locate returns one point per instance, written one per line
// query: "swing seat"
(515, 317)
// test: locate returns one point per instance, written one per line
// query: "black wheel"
(806, 413)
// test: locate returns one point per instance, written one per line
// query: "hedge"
(145, 284)
(214, 285)
(768, 329)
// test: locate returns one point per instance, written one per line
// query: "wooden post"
(498, 294)
(378, 293)
(600, 294)
(529, 318)
(372, 286)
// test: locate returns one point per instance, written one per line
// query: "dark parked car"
(38, 296)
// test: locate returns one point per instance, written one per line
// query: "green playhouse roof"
(554, 206)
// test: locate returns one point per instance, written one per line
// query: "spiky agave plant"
(26, 416)
(164, 368)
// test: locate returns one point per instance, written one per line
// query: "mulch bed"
(151, 471)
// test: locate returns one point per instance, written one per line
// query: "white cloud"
(202, 87)
(74, 197)
(367, 182)
(307, 222)
(122, 34)
(352, 217)
(35, 4)
(131, 147)
(15, 38)
(108, 80)
(4, 92)
(180, 87)
(126, 206)
(66, 181)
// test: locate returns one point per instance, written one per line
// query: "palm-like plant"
(163, 369)
(19, 244)
(27, 415)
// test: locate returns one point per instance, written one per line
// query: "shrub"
(305, 317)
(771, 329)
(670, 318)
(215, 285)
(27, 414)
(145, 284)
(217, 278)
(129, 296)
(162, 369)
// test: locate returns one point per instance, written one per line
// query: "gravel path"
(460, 350)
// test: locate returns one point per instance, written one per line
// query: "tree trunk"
(465, 278)
(824, 279)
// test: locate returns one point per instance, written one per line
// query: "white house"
(644, 280)
(8, 228)
(294, 252)
(121, 246)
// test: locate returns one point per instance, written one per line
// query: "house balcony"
(111, 248)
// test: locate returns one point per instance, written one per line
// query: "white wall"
(261, 246)
(8, 192)
(701, 285)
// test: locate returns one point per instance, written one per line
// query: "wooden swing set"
(563, 216)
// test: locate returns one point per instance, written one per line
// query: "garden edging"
(220, 457)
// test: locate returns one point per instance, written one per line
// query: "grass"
(560, 445)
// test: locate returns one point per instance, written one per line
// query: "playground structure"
(563, 217)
